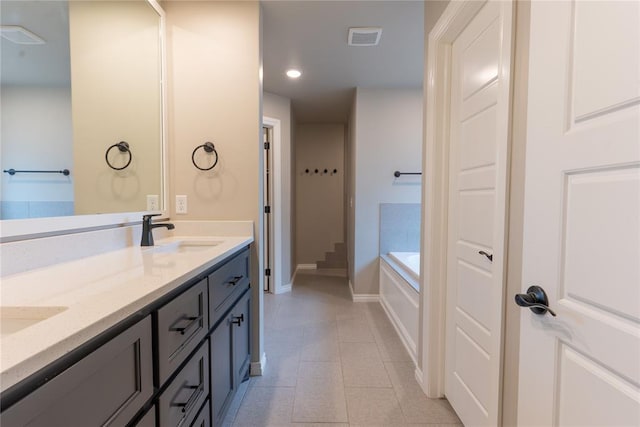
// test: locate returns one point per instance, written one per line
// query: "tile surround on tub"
(399, 227)
(25, 255)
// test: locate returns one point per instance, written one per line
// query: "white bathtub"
(409, 262)
(399, 295)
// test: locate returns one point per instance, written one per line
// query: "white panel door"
(480, 94)
(582, 216)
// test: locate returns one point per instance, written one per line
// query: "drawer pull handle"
(237, 320)
(193, 321)
(235, 280)
(197, 391)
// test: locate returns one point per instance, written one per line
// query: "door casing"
(431, 373)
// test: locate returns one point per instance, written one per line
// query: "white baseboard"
(283, 289)
(307, 267)
(363, 297)
(257, 368)
(418, 375)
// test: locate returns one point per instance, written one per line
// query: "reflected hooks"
(123, 147)
(208, 148)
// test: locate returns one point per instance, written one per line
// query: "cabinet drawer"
(182, 324)
(186, 393)
(204, 417)
(106, 388)
(227, 283)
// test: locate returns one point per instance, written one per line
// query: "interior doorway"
(267, 139)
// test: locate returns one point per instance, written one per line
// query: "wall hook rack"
(323, 171)
(123, 147)
(208, 147)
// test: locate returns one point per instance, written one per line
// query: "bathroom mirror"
(78, 77)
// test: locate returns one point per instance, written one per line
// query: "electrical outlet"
(153, 202)
(181, 204)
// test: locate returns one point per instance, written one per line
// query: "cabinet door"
(241, 338)
(106, 388)
(221, 347)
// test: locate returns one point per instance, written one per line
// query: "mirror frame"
(24, 229)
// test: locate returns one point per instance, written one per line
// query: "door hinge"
(267, 209)
(267, 272)
(267, 145)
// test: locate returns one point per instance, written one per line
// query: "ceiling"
(312, 37)
(46, 64)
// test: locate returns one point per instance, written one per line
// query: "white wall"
(36, 134)
(319, 196)
(351, 169)
(278, 107)
(387, 137)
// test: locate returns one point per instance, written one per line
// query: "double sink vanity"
(149, 336)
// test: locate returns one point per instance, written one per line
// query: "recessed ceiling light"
(19, 35)
(294, 74)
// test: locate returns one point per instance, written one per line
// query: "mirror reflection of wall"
(36, 131)
(94, 81)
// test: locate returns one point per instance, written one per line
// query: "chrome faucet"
(147, 227)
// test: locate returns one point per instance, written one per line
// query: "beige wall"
(388, 137)
(319, 197)
(115, 75)
(214, 58)
(278, 107)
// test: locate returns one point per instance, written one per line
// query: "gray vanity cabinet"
(226, 284)
(182, 324)
(241, 339)
(204, 417)
(230, 356)
(179, 366)
(180, 401)
(221, 351)
(107, 387)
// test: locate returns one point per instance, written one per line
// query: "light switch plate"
(181, 204)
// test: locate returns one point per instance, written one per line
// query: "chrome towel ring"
(123, 146)
(208, 148)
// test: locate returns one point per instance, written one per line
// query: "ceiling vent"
(19, 35)
(364, 36)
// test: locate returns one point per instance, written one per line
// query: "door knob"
(536, 299)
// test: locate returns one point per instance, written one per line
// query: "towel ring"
(123, 146)
(208, 148)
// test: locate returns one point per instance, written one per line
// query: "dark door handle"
(488, 255)
(535, 299)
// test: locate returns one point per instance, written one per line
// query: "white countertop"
(94, 294)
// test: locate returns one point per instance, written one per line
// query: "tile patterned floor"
(332, 362)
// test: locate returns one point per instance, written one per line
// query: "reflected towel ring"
(208, 148)
(123, 146)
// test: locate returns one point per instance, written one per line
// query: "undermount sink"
(14, 319)
(185, 246)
